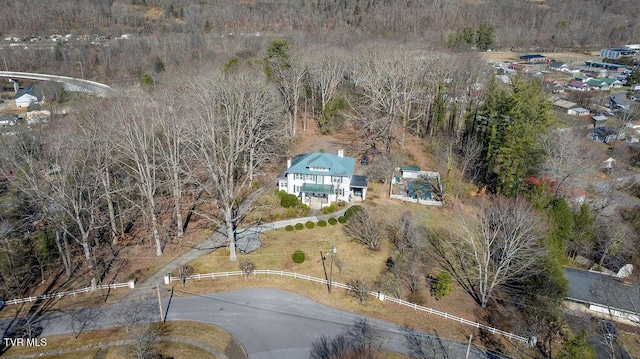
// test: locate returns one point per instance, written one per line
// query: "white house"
(25, 97)
(320, 179)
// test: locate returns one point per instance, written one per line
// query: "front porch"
(317, 195)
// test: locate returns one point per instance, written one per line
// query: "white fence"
(168, 279)
(129, 284)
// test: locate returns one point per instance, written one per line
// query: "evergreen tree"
(485, 36)
(579, 348)
(509, 126)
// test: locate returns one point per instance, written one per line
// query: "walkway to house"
(246, 242)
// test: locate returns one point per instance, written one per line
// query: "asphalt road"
(70, 83)
(269, 323)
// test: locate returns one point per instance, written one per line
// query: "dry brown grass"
(90, 341)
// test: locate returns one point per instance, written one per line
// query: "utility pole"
(160, 304)
(324, 267)
(333, 251)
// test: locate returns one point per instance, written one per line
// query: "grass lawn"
(89, 342)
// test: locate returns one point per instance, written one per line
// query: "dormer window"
(319, 169)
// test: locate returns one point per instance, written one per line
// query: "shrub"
(299, 226)
(288, 200)
(441, 285)
(288, 228)
(333, 221)
(416, 298)
(330, 209)
(298, 256)
(342, 219)
(309, 225)
(322, 223)
(351, 211)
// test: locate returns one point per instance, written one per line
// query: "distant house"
(578, 111)
(520, 67)
(605, 134)
(578, 86)
(616, 53)
(552, 86)
(25, 97)
(559, 66)
(613, 83)
(534, 58)
(599, 120)
(598, 85)
(320, 179)
(619, 100)
(564, 104)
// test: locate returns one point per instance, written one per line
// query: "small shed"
(578, 111)
(599, 120)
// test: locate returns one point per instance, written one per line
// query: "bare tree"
(367, 227)
(146, 341)
(246, 267)
(171, 140)
(359, 289)
(360, 340)
(132, 313)
(423, 346)
(327, 70)
(567, 157)
(237, 132)
(497, 246)
(137, 149)
(183, 272)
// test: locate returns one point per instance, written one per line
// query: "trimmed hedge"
(322, 223)
(342, 219)
(298, 256)
(333, 221)
(288, 200)
(299, 226)
(351, 211)
(309, 225)
(288, 228)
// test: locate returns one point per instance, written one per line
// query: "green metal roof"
(410, 169)
(317, 188)
(322, 164)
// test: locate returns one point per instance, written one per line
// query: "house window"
(341, 191)
(311, 178)
(298, 176)
(283, 184)
(319, 169)
(335, 179)
(296, 189)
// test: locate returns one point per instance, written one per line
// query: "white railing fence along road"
(168, 279)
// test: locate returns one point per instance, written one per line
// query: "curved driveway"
(269, 323)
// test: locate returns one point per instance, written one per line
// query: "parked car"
(610, 332)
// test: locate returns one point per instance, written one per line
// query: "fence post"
(381, 296)
(132, 283)
(167, 279)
